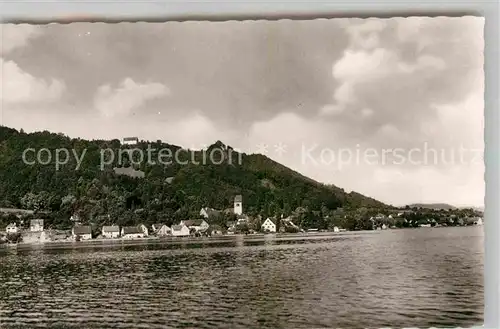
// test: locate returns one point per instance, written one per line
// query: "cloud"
(128, 96)
(18, 87)
(16, 36)
(337, 84)
(416, 67)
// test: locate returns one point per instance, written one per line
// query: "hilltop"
(434, 206)
(102, 191)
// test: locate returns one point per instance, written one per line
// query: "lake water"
(397, 278)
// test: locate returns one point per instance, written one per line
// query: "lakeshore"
(205, 240)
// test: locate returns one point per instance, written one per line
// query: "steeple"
(238, 205)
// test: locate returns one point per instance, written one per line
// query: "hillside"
(434, 206)
(96, 188)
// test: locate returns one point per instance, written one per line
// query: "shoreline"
(191, 239)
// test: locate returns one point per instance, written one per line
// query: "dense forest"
(85, 182)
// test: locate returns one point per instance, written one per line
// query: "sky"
(390, 108)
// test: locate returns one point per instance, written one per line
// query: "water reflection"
(404, 278)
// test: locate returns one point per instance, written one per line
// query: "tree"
(14, 237)
(269, 188)
(278, 224)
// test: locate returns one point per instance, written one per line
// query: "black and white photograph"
(320, 173)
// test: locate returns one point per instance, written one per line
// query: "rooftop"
(111, 229)
(176, 227)
(132, 230)
(78, 230)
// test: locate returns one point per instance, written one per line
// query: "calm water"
(400, 278)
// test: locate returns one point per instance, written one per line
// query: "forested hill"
(168, 191)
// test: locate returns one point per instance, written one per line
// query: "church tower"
(238, 205)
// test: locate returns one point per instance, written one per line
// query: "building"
(162, 230)
(36, 225)
(180, 230)
(336, 229)
(82, 232)
(11, 228)
(130, 141)
(75, 219)
(269, 225)
(242, 219)
(156, 227)
(111, 232)
(289, 222)
(144, 229)
(479, 221)
(216, 230)
(132, 232)
(231, 226)
(199, 225)
(58, 235)
(207, 212)
(34, 237)
(238, 205)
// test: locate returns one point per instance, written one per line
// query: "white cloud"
(14, 36)
(412, 81)
(126, 97)
(19, 87)
(364, 33)
(331, 109)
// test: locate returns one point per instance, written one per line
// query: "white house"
(180, 230)
(11, 228)
(199, 225)
(132, 232)
(336, 229)
(111, 232)
(479, 221)
(83, 232)
(269, 225)
(162, 230)
(144, 229)
(130, 140)
(238, 205)
(36, 225)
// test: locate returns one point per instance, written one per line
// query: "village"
(34, 232)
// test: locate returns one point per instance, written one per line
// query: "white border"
(46, 11)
